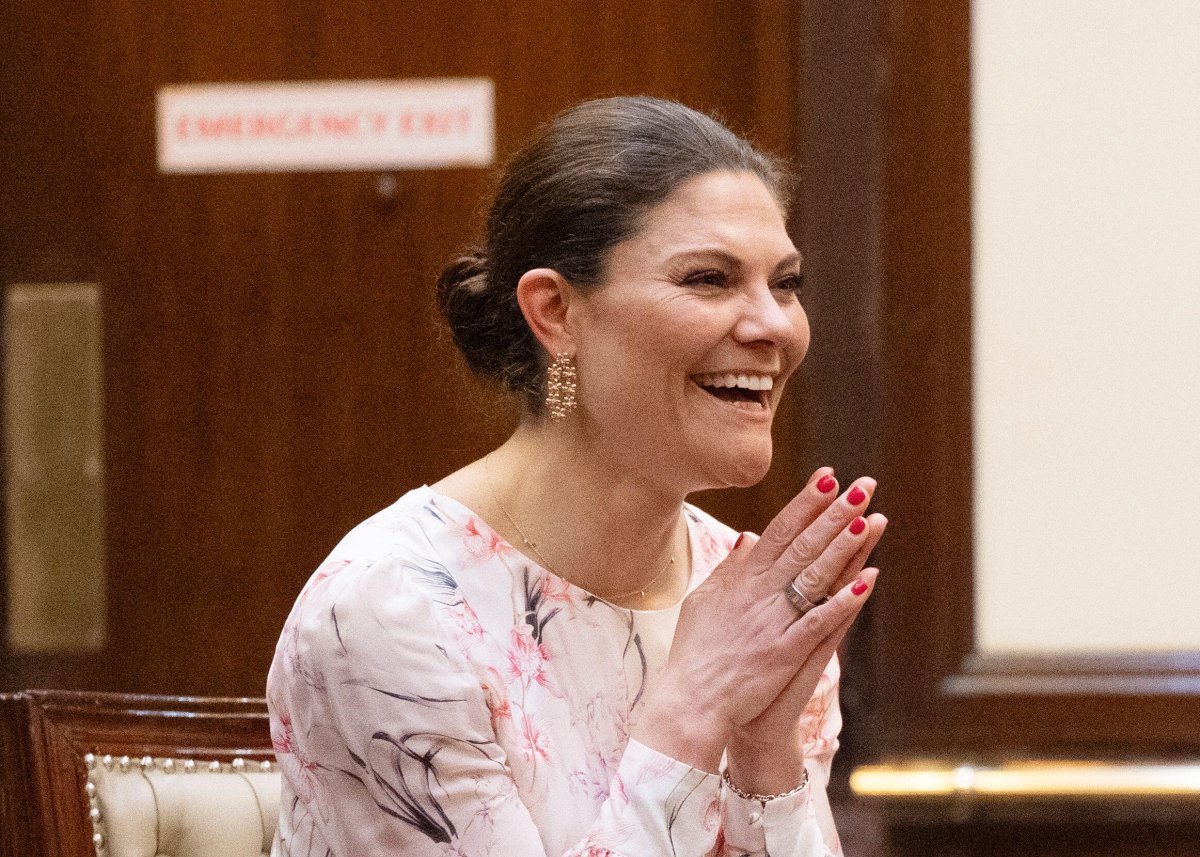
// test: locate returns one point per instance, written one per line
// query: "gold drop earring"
(561, 380)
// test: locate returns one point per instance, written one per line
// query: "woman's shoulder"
(418, 532)
(379, 602)
(404, 523)
(388, 562)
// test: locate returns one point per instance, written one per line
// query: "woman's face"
(684, 349)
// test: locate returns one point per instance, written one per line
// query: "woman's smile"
(746, 390)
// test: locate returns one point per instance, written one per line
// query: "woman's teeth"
(744, 391)
(745, 382)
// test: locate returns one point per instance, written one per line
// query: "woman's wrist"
(765, 765)
(759, 738)
(675, 727)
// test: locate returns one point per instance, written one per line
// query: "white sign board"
(321, 126)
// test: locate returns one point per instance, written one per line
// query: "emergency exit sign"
(328, 125)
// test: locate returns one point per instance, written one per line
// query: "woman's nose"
(766, 318)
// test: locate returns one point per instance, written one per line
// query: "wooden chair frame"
(45, 736)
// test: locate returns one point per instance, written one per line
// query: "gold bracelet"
(764, 798)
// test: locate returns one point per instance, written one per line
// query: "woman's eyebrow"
(786, 263)
(707, 253)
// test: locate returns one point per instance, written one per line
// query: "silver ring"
(799, 600)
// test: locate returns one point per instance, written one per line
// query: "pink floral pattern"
(434, 692)
(527, 658)
(481, 542)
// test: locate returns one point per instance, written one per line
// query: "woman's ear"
(544, 296)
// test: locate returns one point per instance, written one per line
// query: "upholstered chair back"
(115, 775)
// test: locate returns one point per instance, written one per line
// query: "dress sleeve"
(800, 825)
(387, 745)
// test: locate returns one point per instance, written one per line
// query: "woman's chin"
(745, 469)
(749, 480)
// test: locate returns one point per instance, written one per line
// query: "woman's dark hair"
(580, 187)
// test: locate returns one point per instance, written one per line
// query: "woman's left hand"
(765, 755)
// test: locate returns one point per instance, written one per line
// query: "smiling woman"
(550, 652)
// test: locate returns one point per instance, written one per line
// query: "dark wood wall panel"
(840, 90)
(274, 369)
(48, 199)
(47, 105)
(926, 336)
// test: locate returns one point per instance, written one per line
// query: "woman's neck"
(592, 521)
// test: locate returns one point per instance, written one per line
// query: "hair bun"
(462, 297)
(468, 271)
(481, 322)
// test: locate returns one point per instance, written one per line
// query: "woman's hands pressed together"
(744, 663)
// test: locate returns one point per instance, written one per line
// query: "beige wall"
(1086, 184)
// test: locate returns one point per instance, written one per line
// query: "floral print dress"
(435, 692)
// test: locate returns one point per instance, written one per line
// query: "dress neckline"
(690, 521)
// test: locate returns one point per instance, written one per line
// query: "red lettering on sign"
(265, 125)
(434, 123)
(215, 127)
(345, 125)
(303, 126)
(277, 125)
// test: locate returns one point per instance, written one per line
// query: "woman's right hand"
(740, 642)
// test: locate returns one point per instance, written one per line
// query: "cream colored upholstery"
(173, 808)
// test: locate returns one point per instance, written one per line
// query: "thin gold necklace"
(487, 473)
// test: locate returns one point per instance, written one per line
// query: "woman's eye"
(705, 278)
(790, 283)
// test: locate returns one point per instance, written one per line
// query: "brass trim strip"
(1040, 779)
(53, 456)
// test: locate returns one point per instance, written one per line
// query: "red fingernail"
(826, 484)
(856, 496)
(859, 587)
(857, 526)
(741, 537)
